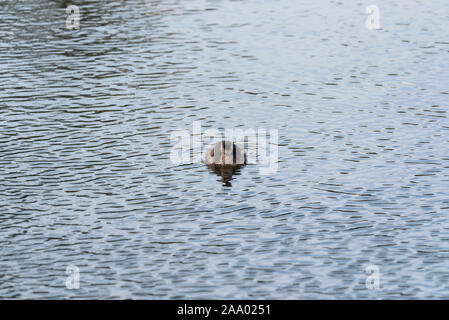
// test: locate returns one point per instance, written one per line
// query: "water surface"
(85, 171)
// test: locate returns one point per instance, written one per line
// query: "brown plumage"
(225, 153)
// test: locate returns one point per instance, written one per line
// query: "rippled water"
(85, 171)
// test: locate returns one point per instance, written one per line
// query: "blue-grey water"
(86, 177)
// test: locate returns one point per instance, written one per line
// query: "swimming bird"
(225, 153)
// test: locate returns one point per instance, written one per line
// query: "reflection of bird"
(225, 172)
(224, 159)
(225, 153)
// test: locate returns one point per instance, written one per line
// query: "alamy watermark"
(262, 145)
(373, 280)
(73, 19)
(73, 279)
(373, 20)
